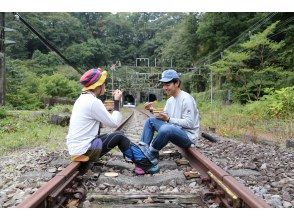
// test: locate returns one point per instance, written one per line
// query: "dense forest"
(249, 54)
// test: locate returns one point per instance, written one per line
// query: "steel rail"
(204, 166)
(39, 198)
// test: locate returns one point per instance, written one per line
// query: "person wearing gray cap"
(178, 123)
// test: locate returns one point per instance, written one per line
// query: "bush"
(217, 96)
(57, 109)
(3, 113)
(59, 85)
(277, 104)
(32, 88)
(45, 63)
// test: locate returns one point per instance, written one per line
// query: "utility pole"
(2, 63)
(210, 81)
(112, 68)
(210, 87)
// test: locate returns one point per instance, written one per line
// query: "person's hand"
(162, 116)
(117, 94)
(148, 105)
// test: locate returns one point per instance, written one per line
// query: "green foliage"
(277, 104)
(181, 47)
(59, 85)
(29, 129)
(3, 113)
(88, 54)
(230, 64)
(61, 29)
(56, 109)
(45, 63)
(254, 69)
(204, 97)
(69, 72)
(24, 87)
(238, 120)
(26, 90)
(100, 39)
(217, 29)
(186, 82)
(193, 82)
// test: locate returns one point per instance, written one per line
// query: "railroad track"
(193, 181)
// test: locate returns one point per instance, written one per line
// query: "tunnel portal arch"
(128, 99)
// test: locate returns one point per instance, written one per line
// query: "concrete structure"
(138, 87)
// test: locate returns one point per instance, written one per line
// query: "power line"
(282, 25)
(47, 43)
(238, 38)
(242, 35)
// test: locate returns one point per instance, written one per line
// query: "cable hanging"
(237, 39)
(47, 43)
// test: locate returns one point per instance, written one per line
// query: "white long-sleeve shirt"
(183, 112)
(87, 114)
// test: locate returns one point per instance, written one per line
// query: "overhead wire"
(281, 26)
(240, 37)
(47, 43)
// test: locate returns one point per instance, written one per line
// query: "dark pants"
(109, 141)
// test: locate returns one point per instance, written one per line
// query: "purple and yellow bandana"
(93, 78)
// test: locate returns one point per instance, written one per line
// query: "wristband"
(116, 105)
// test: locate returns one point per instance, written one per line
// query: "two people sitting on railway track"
(178, 123)
(88, 113)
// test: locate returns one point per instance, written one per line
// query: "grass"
(25, 129)
(234, 121)
(28, 129)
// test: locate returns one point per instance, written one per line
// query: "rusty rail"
(222, 181)
(224, 185)
(41, 198)
(204, 165)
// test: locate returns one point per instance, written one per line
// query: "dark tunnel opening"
(129, 99)
(151, 97)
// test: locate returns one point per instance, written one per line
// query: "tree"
(254, 67)
(92, 53)
(183, 44)
(61, 29)
(217, 31)
(59, 85)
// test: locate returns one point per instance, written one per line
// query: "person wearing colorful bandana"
(88, 114)
(178, 123)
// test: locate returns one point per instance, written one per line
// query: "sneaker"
(151, 155)
(139, 171)
(154, 169)
(128, 160)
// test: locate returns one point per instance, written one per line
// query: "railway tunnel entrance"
(129, 99)
(138, 86)
(151, 97)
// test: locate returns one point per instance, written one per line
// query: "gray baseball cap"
(169, 75)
